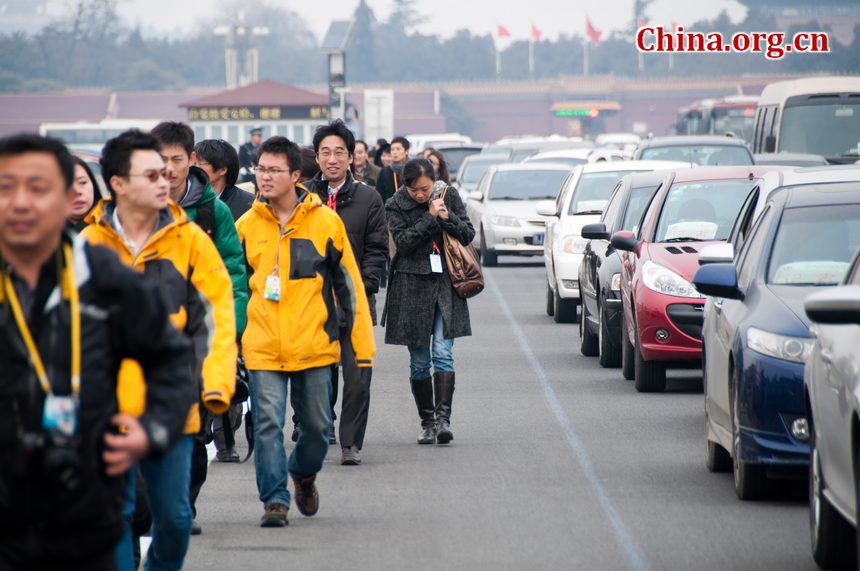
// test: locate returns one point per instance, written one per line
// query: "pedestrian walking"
(153, 235)
(422, 311)
(64, 460)
(362, 169)
(440, 165)
(304, 283)
(84, 194)
(361, 209)
(248, 154)
(391, 176)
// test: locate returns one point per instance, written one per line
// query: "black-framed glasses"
(338, 154)
(153, 175)
(272, 171)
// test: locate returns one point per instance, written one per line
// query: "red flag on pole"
(592, 32)
(503, 32)
(536, 33)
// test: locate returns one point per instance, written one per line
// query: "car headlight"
(505, 221)
(663, 280)
(616, 282)
(794, 349)
(574, 244)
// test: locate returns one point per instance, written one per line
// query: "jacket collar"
(199, 189)
(319, 186)
(102, 215)
(306, 202)
(404, 200)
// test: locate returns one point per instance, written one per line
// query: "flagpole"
(498, 63)
(531, 58)
(585, 57)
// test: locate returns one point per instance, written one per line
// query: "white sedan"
(581, 202)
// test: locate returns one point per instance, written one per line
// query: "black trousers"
(356, 396)
(16, 554)
(199, 469)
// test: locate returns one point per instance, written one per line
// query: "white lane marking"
(635, 557)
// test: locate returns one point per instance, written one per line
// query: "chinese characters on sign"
(269, 113)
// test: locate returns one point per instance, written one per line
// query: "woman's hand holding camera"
(438, 209)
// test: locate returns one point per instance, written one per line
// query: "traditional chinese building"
(278, 108)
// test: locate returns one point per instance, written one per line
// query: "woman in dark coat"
(85, 194)
(422, 311)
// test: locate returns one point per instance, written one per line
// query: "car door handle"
(718, 304)
(826, 357)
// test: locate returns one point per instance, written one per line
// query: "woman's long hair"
(444, 174)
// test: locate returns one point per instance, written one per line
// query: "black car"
(711, 150)
(600, 270)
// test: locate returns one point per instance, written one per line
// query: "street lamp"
(334, 45)
(239, 51)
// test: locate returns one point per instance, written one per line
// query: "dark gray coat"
(413, 290)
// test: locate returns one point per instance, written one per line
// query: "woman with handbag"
(422, 309)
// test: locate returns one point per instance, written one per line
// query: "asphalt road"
(556, 464)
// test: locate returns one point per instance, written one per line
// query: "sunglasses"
(153, 176)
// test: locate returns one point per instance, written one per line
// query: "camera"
(61, 461)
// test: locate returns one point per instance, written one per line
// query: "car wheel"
(488, 259)
(749, 478)
(627, 366)
(564, 310)
(550, 301)
(649, 376)
(608, 356)
(587, 340)
(833, 539)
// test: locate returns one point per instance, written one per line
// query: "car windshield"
(703, 210)
(526, 185)
(828, 130)
(740, 121)
(700, 154)
(593, 190)
(640, 198)
(519, 155)
(569, 161)
(814, 245)
(474, 170)
(454, 156)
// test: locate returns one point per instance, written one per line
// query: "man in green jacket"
(190, 188)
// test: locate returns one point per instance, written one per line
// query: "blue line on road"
(635, 556)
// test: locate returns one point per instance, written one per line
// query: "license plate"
(538, 239)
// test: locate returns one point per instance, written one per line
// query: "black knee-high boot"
(422, 390)
(443, 384)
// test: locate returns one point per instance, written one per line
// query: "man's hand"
(438, 209)
(124, 449)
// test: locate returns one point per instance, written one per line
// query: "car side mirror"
(546, 208)
(770, 144)
(476, 195)
(596, 231)
(838, 305)
(718, 280)
(723, 253)
(624, 240)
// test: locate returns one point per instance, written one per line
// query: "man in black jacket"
(220, 162)
(391, 177)
(362, 212)
(69, 313)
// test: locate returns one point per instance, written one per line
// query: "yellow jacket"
(318, 278)
(182, 259)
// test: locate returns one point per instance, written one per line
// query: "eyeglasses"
(272, 171)
(338, 154)
(153, 176)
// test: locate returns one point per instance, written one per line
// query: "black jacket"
(363, 214)
(122, 316)
(370, 174)
(238, 200)
(385, 181)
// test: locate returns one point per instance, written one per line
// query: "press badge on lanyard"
(435, 260)
(273, 287)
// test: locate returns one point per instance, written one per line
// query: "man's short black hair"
(116, 154)
(171, 133)
(336, 128)
(402, 140)
(31, 143)
(310, 167)
(360, 142)
(219, 153)
(279, 145)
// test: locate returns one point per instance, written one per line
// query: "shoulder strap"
(206, 218)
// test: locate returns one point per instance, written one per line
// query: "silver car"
(832, 385)
(503, 208)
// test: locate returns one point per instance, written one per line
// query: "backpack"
(206, 218)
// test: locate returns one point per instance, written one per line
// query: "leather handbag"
(464, 269)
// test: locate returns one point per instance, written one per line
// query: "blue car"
(756, 333)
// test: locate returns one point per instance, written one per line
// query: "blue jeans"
(441, 351)
(310, 400)
(167, 483)
(125, 547)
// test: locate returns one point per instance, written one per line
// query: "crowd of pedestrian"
(137, 327)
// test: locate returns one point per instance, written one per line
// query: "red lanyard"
(332, 201)
(435, 248)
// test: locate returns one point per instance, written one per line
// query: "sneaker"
(350, 456)
(275, 515)
(332, 438)
(295, 435)
(195, 528)
(307, 498)
(227, 455)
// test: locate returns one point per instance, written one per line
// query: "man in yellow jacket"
(302, 272)
(153, 235)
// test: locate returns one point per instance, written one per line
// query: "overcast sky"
(444, 17)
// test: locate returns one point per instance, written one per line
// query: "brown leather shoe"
(306, 496)
(275, 515)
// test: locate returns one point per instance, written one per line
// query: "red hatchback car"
(662, 312)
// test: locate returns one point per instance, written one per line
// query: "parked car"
(832, 397)
(420, 141)
(520, 148)
(790, 159)
(756, 335)
(575, 157)
(662, 311)
(471, 171)
(624, 142)
(703, 150)
(455, 154)
(600, 270)
(503, 209)
(581, 201)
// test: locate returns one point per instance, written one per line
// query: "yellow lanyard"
(396, 186)
(68, 279)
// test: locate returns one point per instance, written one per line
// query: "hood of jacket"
(102, 215)
(200, 191)
(306, 202)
